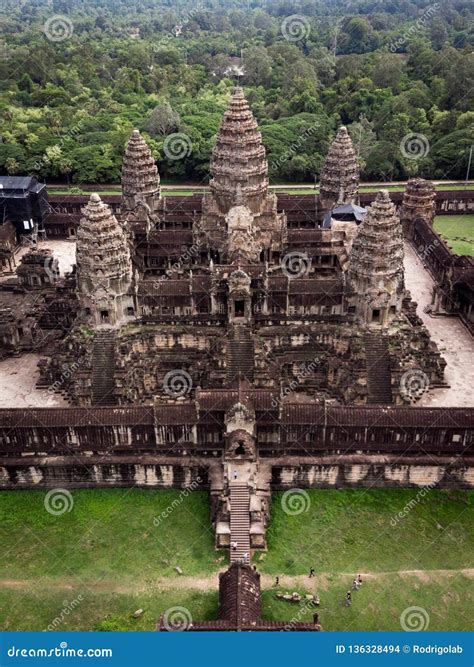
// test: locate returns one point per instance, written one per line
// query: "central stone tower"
(340, 173)
(239, 177)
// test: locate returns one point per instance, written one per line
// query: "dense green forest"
(77, 76)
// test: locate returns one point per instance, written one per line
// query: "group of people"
(356, 584)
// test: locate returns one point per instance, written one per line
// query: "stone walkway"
(453, 340)
(18, 377)
(64, 252)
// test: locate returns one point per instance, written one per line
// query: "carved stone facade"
(239, 172)
(418, 204)
(104, 268)
(375, 274)
(339, 182)
(140, 178)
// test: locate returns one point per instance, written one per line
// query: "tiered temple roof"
(104, 267)
(239, 158)
(377, 252)
(418, 204)
(140, 178)
(340, 173)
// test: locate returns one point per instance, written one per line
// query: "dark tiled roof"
(316, 286)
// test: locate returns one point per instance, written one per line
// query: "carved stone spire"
(418, 204)
(140, 178)
(375, 273)
(340, 173)
(239, 166)
(104, 267)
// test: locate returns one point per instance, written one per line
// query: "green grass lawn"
(457, 231)
(108, 556)
(447, 599)
(351, 530)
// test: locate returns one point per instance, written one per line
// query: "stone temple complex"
(229, 342)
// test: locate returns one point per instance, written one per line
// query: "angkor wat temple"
(233, 341)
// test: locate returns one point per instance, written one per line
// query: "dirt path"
(322, 580)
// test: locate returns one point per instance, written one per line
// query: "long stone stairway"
(239, 521)
(103, 368)
(240, 359)
(378, 369)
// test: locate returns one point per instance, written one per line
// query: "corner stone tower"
(140, 178)
(104, 267)
(375, 274)
(418, 204)
(340, 173)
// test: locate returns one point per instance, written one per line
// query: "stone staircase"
(239, 521)
(379, 379)
(103, 368)
(240, 358)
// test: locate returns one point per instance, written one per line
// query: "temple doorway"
(239, 308)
